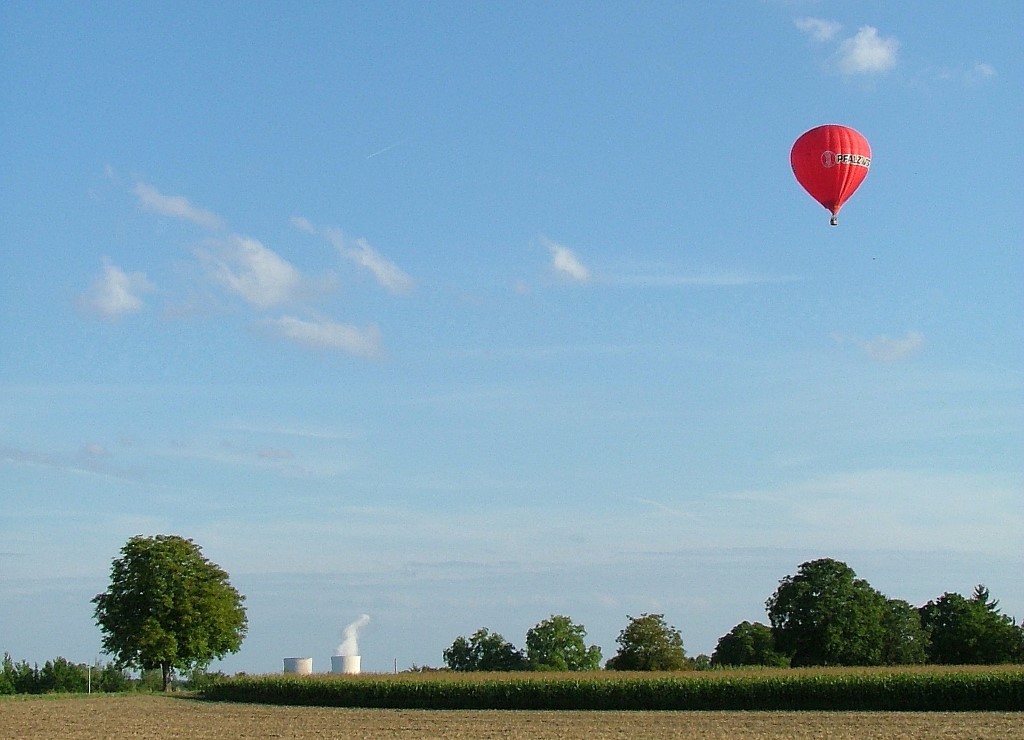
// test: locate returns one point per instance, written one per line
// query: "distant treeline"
(61, 676)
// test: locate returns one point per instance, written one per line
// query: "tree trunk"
(166, 670)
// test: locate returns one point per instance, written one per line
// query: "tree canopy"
(557, 644)
(484, 651)
(904, 639)
(648, 644)
(168, 607)
(747, 644)
(971, 630)
(825, 615)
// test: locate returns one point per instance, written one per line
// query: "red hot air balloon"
(831, 162)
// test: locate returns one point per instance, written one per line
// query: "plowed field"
(166, 718)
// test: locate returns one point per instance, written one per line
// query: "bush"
(61, 676)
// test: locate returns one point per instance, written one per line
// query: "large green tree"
(825, 615)
(748, 644)
(484, 651)
(648, 644)
(971, 631)
(557, 644)
(168, 607)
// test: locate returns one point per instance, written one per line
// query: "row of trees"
(647, 643)
(59, 675)
(823, 615)
(62, 676)
(556, 644)
(826, 615)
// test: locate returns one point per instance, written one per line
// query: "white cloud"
(565, 262)
(116, 293)
(386, 272)
(175, 206)
(325, 334)
(253, 271)
(818, 28)
(867, 53)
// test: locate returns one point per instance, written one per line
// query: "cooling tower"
(301, 666)
(345, 663)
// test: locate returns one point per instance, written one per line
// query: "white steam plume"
(350, 637)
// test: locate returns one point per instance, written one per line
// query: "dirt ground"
(167, 718)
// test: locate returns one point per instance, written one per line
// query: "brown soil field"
(147, 716)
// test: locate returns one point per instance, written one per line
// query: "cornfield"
(901, 690)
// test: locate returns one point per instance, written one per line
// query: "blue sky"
(466, 314)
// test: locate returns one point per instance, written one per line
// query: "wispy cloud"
(95, 450)
(867, 53)
(116, 293)
(565, 262)
(387, 273)
(972, 75)
(885, 348)
(324, 334)
(281, 460)
(302, 432)
(274, 453)
(303, 224)
(541, 352)
(298, 431)
(875, 508)
(176, 206)
(983, 70)
(818, 28)
(672, 511)
(709, 279)
(384, 150)
(89, 461)
(251, 270)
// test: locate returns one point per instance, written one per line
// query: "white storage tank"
(345, 664)
(300, 666)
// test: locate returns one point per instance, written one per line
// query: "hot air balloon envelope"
(831, 162)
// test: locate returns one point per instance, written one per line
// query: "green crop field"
(168, 718)
(998, 688)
